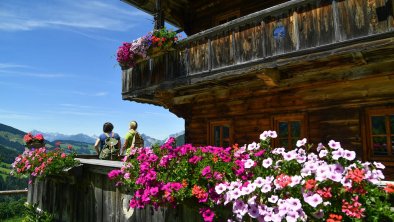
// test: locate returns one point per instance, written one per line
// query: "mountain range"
(80, 137)
(12, 144)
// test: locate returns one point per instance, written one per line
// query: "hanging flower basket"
(153, 44)
(35, 145)
(32, 141)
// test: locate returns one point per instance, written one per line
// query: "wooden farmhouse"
(320, 69)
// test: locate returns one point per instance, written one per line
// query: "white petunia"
(301, 142)
(334, 145)
(349, 155)
(379, 165)
(220, 188)
(264, 135)
(267, 162)
(323, 153)
(248, 163)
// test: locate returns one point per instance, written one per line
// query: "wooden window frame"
(382, 111)
(302, 117)
(211, 126)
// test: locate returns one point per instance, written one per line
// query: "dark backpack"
(110, 150)
(138, 140)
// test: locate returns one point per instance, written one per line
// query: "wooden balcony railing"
(293, 28)
(87, 194)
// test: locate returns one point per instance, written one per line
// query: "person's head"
(133, 125)
(108, 127)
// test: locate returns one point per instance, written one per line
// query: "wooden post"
(159, 16)
(296, 33)
(337, 24)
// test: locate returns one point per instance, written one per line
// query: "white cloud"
(32, 74)
(11, 65)
(101, 94)
(11, 115)
(82, 15)
(76, 106)
(93, 94)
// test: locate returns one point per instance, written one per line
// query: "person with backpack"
(133, 139)
(107, 146)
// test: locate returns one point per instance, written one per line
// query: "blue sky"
(58, 69)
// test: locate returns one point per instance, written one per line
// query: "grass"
(5, 169)
(14, 219)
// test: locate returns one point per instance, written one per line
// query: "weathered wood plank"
(245, 43)
(109, 200)
(315, 24)
(278, 39)
(362, 18)
(198, 57)
(222, 50)
(99, 197)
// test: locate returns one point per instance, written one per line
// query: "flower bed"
(257, 182)
(149, 45)
(41, 162)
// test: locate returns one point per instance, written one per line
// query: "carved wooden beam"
(269, 76)
(159, 15)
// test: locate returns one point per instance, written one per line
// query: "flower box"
(151, 45)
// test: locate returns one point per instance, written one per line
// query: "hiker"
(133, 139)
(109, 143)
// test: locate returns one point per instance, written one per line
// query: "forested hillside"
(12, 144)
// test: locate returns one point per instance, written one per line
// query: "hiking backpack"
(110, 150)
(138, 141)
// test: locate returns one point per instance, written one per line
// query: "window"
(380, 133)
(220, 133)
(289, 128)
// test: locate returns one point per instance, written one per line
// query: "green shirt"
(129, 138)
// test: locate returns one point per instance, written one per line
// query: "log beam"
(270, 77)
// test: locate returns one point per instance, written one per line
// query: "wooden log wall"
(281, 30)
(91, 196)
(333, 110)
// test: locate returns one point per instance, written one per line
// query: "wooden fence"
(86, 194)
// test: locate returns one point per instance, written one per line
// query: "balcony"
(270, 44)
(88, 195)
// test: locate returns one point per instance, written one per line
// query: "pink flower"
(39, 137)
(207, 214)
(206, 172)
(176, 186)
(195, 159)
(154, 191)
(113, 174)
(63, 155)
(260, 153)
(126, 176)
